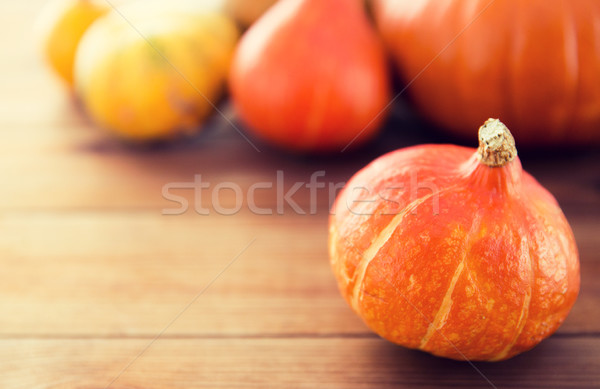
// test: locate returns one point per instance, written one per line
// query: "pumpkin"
(455, 251)
(159, 79)
(311, 76)
(535, 63)
(60, 26)
(246, 12)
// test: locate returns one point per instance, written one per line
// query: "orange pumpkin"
(311, 75)
(61, 25)
(455, 251)
(535, 63)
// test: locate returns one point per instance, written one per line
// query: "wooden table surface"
(99, 288)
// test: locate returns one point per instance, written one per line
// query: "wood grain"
(133, 271)
(275, 363)
(93, 270)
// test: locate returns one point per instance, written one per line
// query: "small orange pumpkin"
(455, 251)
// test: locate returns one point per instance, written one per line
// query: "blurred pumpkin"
(535, 63)
(61, 25)
(311, 76)
(153, 72)
(246, 12)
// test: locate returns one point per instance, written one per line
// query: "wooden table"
(99, 287)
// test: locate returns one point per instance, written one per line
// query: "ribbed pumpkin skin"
(534, 63)
(444, 254)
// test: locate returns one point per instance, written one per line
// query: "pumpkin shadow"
(413, 368)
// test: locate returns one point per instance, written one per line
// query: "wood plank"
(119, 273)
(276, 363)
(65, 171)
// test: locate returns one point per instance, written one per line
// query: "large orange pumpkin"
(535, 63)
(455, 251)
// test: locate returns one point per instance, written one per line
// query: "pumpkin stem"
(496, 144)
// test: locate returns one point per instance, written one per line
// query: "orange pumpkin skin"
(535, 63)
(311, 75)
(439, 252)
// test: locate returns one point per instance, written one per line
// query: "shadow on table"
(545, 363)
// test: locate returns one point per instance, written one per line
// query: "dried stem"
(496, 144)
